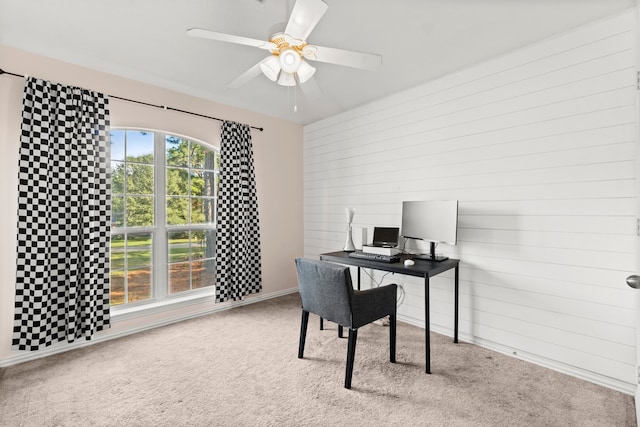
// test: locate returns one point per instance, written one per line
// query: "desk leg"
(427, 326)
(358, 278)
(455, 326)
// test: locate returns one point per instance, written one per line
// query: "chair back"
(325, 290)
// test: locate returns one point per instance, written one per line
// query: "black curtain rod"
(148, 104)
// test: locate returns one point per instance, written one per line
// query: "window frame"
(160, 230)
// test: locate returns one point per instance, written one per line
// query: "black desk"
(422, 268)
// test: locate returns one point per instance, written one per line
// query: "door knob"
(634, 281)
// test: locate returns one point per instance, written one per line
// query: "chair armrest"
(373, 304)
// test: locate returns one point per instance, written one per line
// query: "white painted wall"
(539, 147)
(278, 167)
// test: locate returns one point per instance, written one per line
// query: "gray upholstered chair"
(326, 290)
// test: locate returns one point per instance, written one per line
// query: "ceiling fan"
(286, 64)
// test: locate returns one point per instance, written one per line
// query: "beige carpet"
(240, 368)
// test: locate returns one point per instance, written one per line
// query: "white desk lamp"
(349, 246)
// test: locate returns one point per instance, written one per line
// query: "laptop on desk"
(385, 237)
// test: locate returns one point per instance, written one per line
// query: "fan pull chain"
(295, 97)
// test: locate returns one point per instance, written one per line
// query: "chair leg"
(392, 338)
(351, 352)
(303, 333)
(340, 333)
(321, 323)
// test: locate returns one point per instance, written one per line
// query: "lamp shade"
(270, 67)
(286, 79)
(305, 71)
(289, 60)
(350, 212)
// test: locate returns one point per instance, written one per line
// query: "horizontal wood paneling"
(539, 147)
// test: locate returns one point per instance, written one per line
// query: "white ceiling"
(419, 40)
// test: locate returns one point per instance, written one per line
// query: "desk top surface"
(421, 268)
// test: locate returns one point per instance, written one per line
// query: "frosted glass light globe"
(289, 60)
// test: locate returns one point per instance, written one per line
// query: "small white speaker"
(359, 237)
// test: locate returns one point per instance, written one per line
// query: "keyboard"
(374, 257)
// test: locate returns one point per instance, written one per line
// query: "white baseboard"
(593, 377)
(26, 356)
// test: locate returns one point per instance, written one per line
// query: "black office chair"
(326, 290)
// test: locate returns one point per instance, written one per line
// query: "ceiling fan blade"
(365, 61)
(230, 38)
(304, 17)
(310, 89)
(243, 78)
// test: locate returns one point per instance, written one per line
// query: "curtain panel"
(238, 260)
(64, 199)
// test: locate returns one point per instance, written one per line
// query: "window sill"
(123, 313)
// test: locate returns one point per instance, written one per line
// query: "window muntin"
(153, 226)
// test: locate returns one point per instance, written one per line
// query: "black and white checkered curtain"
(64, 199)
(238, 263)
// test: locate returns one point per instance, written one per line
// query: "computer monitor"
(434, 221)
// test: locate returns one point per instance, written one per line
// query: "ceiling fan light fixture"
(286, 79)
(289, 50)
(289, 60)
(305, 71)
(271, 68)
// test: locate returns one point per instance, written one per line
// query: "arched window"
(164, 190)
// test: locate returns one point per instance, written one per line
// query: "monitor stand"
(431, 256)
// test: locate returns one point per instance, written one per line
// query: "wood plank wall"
(539, 148)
